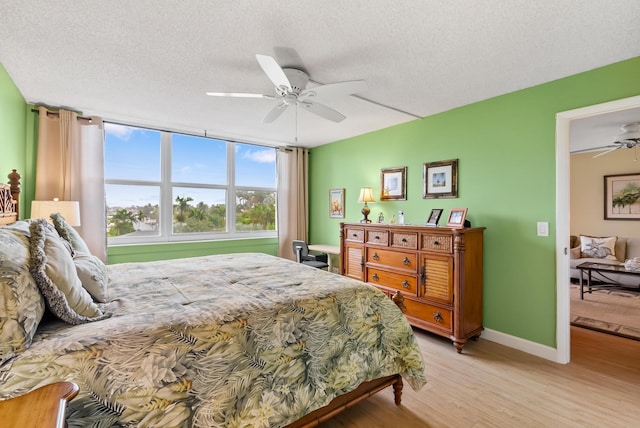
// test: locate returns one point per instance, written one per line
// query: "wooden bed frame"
(9, 197)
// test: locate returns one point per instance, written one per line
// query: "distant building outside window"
(166, 186)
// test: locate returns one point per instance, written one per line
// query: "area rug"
(609, 311)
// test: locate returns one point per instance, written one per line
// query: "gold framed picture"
(393, 184)
(336, 203)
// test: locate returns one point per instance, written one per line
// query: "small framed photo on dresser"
(456, 217)
(434, 217)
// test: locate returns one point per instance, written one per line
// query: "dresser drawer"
(394, 259)
(378, 237)
(354, 234)
(439, 243)
(405, 283)
(404, 240)
(441, 318)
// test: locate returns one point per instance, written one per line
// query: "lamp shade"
(366, 195)
(70, 210)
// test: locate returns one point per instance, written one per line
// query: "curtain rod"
(55, 113)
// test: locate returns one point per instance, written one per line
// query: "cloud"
(261, 156)
(119, 131)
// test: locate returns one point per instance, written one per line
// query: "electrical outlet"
(543, 228)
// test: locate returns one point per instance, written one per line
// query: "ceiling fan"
(291, 90)
(629, 139)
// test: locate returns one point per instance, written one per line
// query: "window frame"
(166, 187)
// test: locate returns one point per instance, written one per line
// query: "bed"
(234, 340)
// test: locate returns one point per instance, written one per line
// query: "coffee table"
(603, 269)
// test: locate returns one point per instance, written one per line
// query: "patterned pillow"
(598, 248)
(55, 274)
(69, 234)
(93, 275)
(21, 304)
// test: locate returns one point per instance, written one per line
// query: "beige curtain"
(293, 199)
(70, 166)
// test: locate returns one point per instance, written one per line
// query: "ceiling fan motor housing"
(298, 79)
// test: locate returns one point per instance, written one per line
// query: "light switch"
(543, 228)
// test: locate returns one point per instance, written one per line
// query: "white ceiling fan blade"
(608, 151)
(323, 111)
(337, 89)
(274, 113)
(239, 95)
(273, 71)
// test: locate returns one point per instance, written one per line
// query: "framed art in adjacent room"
(336, 203)
(393, 184)
(434, 217)
(622, 197)
(440, 179)
(456, 217)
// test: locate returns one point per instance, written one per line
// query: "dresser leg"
(459, 346)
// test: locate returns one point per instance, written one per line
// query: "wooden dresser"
(433, 274)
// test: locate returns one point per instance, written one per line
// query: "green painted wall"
(13, 130)
(506, 151)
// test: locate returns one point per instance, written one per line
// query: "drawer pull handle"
(404, 240)
(437, 317)
(375, 277)
(436, 243)
(375, 256)
(377, 238)
(355, 235)
(406, 261)
(405, 284)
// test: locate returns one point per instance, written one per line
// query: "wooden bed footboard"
(345, 401)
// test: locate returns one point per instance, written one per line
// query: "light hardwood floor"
(490, 385)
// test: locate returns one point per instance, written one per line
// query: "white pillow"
(55, 274)
(598, 248)
(93, 275)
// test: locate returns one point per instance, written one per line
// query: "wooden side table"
(41, 408)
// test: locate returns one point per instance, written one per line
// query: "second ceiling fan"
(291, 90)
(629, 139)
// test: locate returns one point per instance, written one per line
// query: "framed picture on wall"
(393, 184)
(440, 179)
(622, 197)
(336, 203)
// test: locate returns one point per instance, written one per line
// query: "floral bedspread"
(235, 340)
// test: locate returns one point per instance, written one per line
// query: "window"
(164, 186)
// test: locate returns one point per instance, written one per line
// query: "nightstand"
(41, 408)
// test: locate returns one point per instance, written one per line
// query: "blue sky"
(134, 154)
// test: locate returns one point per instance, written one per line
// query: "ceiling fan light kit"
(631, 134)
(290, 90)
(629, 139)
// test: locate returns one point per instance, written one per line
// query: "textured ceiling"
(150, 62)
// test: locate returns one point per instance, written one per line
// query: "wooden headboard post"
(9, 199)
(14, 182)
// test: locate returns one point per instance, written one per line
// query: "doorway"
(563, 141)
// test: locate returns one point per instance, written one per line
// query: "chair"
(317, 260)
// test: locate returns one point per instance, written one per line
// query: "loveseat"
(607, 251)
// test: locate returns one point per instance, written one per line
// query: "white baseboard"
(533, 348)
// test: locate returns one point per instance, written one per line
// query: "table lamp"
(70, 210)
(366, 195)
